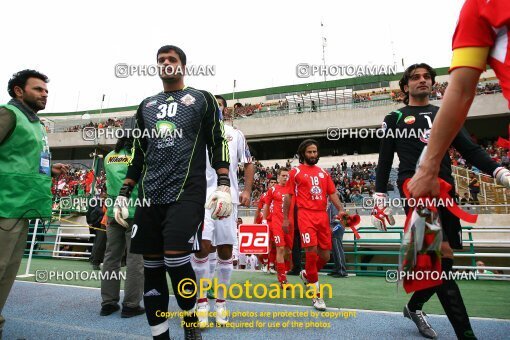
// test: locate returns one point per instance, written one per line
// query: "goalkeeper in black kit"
(177, 126)
(407, 132)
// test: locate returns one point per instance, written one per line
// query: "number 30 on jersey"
(167, 110)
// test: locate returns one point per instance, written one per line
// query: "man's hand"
(342, 217)
(381, 213)
(423, 184)
(285, 226)
(257, 217)
(502, 177)
(120, 208)
(220, 203)
(58, 169)
(245, 198)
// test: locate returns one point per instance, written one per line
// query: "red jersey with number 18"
(311, 185)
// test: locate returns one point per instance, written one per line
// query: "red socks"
(311, 267)
(320, 263)
(280, 268)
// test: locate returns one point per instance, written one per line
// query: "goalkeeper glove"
(502, 177)
(381, 213)
(120, 208)
(220, 201)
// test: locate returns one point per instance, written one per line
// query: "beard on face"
(311, 161)
(33, 104)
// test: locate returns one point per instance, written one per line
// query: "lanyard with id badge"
(44, 164)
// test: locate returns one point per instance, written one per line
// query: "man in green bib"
(25, 172)
(118, 239)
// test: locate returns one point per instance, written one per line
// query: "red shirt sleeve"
(269, 196)
(291, 183)
(472, 29)
(495, 12)
(262, 200)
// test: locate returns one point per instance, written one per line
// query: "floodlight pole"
(323, 50)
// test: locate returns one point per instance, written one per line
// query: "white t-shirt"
(239, 153)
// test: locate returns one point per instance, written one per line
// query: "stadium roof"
(322, 85)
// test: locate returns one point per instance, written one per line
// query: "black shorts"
(452, 230)
(161, 227)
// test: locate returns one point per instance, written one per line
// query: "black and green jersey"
(116, 165)
(171, 167)
(409, 131)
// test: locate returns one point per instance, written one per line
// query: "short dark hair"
(168, 48)
(20, 79)
(302, 147)
(221, 98)
(124, 142)
(282, 169)
(407, 74)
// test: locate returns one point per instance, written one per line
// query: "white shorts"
(242, 259)
(253, 261)
(220, 231)
(235, 254)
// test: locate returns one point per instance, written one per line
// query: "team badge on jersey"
(165, 128)
(188, 100)
(152, 102)
(321, 175)
(316, 190)
(409, 120)
(425, 136)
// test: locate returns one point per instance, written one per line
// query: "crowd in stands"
(498, 153)
(352, 185)
(358, 182)
(362, 97)
(111, 122)
(439, 89)
(78, 182)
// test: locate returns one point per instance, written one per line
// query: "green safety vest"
(116, 166)
(25, 191)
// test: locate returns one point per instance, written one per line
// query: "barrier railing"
(360, 253)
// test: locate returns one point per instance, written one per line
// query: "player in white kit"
(222, 234)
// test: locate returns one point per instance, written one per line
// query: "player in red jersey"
(266, 267)
(283, 238)
(260, 206)
(481, 37)
(312, 186)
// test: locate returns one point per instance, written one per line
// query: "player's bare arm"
(286, 207)
(245, 196)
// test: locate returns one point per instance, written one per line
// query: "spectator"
(482, 271)
(356, 198)
(344, 165)
(340, 269)
(474, 187)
